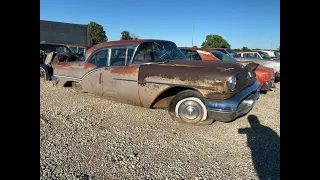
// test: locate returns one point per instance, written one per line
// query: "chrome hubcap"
(190, 110)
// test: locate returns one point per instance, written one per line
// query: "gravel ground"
(83, 136)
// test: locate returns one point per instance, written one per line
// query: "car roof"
(135, 42)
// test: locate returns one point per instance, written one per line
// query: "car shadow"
(265, 148)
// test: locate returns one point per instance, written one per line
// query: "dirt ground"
(83, 136)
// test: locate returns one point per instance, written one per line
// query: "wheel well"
(163, 100)
(69, 83)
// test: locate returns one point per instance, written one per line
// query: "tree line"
(98, 35)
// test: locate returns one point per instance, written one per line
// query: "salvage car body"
(264, 74)
(46, 53)
(150, 73)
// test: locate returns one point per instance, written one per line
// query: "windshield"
(264, 55)
(223, 57)
(277, 54)
(233, 53)
(158, 52)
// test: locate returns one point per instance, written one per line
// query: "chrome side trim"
(162, 83)
(75, 78)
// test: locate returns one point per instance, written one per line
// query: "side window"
(187, 53)
(250, 55)
(118, 57)
(81, 50)
(61, 49)
(102, 58)
(195, 56)
(74, 49)
(256, 55)
(184, 51)
(129, 55)
(92, 59)
(144, 55)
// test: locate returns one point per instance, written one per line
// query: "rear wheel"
(188, 107)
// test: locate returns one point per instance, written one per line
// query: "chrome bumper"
(54, 79)
(238, 105)
(266, 86)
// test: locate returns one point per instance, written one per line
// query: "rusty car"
(264, 74)
(46, 52)
(156, 74)
(254, 56)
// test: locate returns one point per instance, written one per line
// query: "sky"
(245, 23)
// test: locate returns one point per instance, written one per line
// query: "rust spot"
(125, 70)
(88, 66)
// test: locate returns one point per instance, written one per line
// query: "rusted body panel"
(263, 74)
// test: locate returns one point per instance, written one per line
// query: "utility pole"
(192, 34)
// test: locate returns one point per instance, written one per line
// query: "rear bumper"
(238, 105)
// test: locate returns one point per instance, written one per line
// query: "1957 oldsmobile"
(156, 74)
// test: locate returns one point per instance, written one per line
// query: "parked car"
(156, 74)
(46, 48)
(264, 75)
(275, 65)
(272, 54)
(79, 49)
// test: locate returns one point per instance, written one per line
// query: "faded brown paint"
(142, 84)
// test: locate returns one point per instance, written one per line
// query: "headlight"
(232, 82)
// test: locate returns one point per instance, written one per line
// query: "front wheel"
(188, 107)
(45, 72)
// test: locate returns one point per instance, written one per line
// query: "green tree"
(279, 48)
(256, 49)
(237, 50)
(194, 46)
(215, 41)
(97, 34)
(125, 35)
(245, 49)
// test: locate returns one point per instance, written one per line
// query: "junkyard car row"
(197, 86)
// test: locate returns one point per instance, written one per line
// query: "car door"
(92, 81)
(120, 80)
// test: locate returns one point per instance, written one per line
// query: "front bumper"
(54, 79)
(238, 105)
(266, 86)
